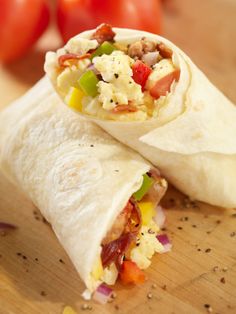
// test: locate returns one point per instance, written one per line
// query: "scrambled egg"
(70, 75)
(80, 45)
(119, 87)
(110, 274)
(146, 246)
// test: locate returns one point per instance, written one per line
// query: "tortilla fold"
(76, 174)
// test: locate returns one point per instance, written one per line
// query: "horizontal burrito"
(100, 197)
(148, 94)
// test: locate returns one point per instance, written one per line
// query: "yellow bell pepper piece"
(68, 310)
(147, 212)
(97, 271)
(74, 98)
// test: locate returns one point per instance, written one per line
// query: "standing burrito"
(99, 196)
(148, 94)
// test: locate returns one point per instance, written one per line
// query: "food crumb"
(208, 307)
(154, 286)
(208, 250)
(184, 219)
(180, 228)
(215, 268)
(43, 293)
(225, 269)
(222, 280)
(61, 261)
(149, 295)
(117, 307)
(18, 253)
(45, 221)
(24, 257)
(194, 226)
(164, 287)
(84, 307)
(113, 295)
(208, 232)
(199, 250)
(218, 221)
(36, 259)
(233, 215)
(232, 234)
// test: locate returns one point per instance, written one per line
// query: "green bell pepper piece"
(105, 48)
(88, 83)
(147, 183)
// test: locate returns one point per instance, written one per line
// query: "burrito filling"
(129, 245)
(109, 80)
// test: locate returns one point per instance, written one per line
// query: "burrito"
(100, 197)
(148, 94)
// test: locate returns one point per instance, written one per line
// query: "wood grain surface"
(199, 275)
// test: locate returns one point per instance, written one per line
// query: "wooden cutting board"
(199, 275)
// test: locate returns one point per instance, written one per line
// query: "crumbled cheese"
(161, 69)
(80, 45)
(148, 245)
(86, 295)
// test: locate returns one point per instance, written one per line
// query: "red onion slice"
(92, 68)
(150, 58)
(7, 226)
(160, 217)
(102, 294)
(164, 240)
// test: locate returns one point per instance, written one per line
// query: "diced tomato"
(162, 86)
(141, 73)
(131, 274)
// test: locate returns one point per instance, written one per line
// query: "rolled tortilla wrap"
(77, 175)
(190, 135)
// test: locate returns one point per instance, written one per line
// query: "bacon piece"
(129, 220)
(103, 33)
(113, 251)
(134, 220)
(165, 52)
(63, 60)
(123, 108)
(118, 226)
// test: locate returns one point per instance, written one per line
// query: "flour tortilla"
(75, 173)
(193, 139)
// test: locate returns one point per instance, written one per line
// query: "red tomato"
(75, 16)
(162, 86)
(131, 273)
(141, 73)
(21, 24)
